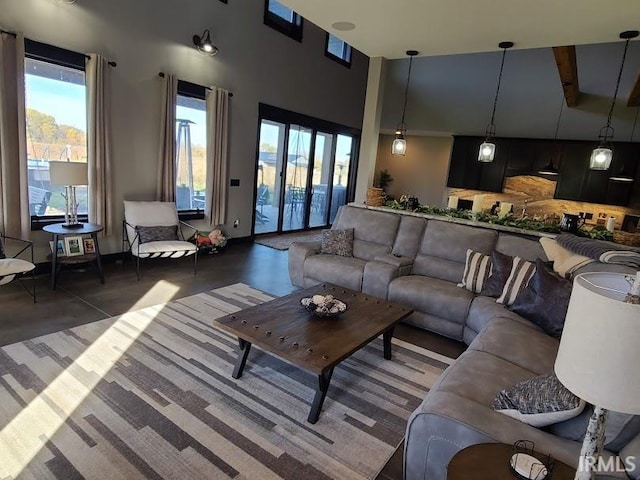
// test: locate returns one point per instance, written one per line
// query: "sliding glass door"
(304, 171)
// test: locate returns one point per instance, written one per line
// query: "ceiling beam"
(568, 70)
(634, 97)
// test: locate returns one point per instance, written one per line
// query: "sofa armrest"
(298, 253)
(378, 275)
(395, 261)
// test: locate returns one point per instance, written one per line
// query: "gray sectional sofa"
(418, 262)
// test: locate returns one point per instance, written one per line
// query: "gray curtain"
(217, 155)
(14, 191)
(99, 142)
(166, 186)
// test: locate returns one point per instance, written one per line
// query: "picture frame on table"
(89, 246)
(61, 249)
(73, 246)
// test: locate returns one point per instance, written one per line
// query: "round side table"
(490, 461)
(58, 231)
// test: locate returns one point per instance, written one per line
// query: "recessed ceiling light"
(343, 26)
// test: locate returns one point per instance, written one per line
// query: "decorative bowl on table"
(324, 306)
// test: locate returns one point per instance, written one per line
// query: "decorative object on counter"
(505, 209)
(526, 466)
(494, 208)
(452, 203)
(569, 222)
(477, 203)
(598, 356)
(630, 223)
(376, 195)
(611, 223)
(382, 179)
(487, 150)
(399, 146)
(211, 242)
(409, 202)
(603, 154)
(324, 306)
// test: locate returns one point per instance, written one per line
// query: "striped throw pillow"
(521, 273)
(476, 271)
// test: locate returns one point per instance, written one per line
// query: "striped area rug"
(149, 394)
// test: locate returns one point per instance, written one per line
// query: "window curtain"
(166, 186)
(217, 155)
(15, 218)
(99, 142)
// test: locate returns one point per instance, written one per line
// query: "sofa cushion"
(344, 271)
(517, 246)
(539, 401)
(519, 344)
(374, 231)
(484, 309)
(545, 300)
(409, 236)
(476, 271)
(337, 242)
(433, 296)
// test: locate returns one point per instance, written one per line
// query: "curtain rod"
(111, 63)
(13, 34)
(161, 74)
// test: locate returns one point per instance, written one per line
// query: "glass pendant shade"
(601, 158)
(399, 146)
(487, 151)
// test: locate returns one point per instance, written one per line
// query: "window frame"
(62, 57)
(335, 58)
(190, 90)
(292, 30)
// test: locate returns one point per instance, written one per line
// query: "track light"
(204, 45)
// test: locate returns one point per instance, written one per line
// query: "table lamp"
(599, 356)
(68, 175)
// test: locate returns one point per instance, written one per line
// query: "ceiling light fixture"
(399, 146)
(549, 168)
(627, 175)
(602, 155)
(204, 45)
(487, 150)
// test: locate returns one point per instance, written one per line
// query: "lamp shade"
(68, 173)
(599, 356)
(486, 152)
(399, 146)
(601, 158)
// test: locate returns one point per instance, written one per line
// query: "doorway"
(305, 170)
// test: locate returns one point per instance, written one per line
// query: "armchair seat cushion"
(165, 249)
(10, 267)
(344, 271)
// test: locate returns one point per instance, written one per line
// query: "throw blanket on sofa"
(605, 252)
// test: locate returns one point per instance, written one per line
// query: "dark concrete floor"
(80, 298)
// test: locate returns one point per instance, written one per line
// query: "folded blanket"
(605, 252)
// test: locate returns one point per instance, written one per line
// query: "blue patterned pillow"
(160, 233)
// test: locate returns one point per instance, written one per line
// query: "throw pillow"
(500, 269)
(476, 271)
(545, 300)
(539, 401)
(158, 233)
(565, 262)
(521, 273)
(337, 242)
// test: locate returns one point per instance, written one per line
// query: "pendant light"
(603, 154)
(488, 148)
(549, 169)
(627, 175)
(399, 146)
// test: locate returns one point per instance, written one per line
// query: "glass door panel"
(269, 179)
(297, 169)
(320, 180)
(344, 149)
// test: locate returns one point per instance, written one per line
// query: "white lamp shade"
(601, 158)
(68, 173)
(486, 152)
(599, 355)
(399, 146)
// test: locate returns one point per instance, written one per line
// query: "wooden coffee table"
(284, 328)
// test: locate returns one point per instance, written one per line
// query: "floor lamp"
(69, 175)
(599, 356)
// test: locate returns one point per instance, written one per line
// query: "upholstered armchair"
(14, 268)
(153, 230)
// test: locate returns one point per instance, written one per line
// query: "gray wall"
(257, 63)
(422, 172)
(454, 93)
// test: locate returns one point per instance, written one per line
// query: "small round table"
(58, 230)
(490, 461)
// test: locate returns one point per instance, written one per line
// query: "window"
(283, 19)
(191, 147)
(338, 50)
(56, 124)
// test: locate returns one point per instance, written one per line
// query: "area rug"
(283, 242)
(149, 394)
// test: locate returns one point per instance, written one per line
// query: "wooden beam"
(568, 70)
(634, 97)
